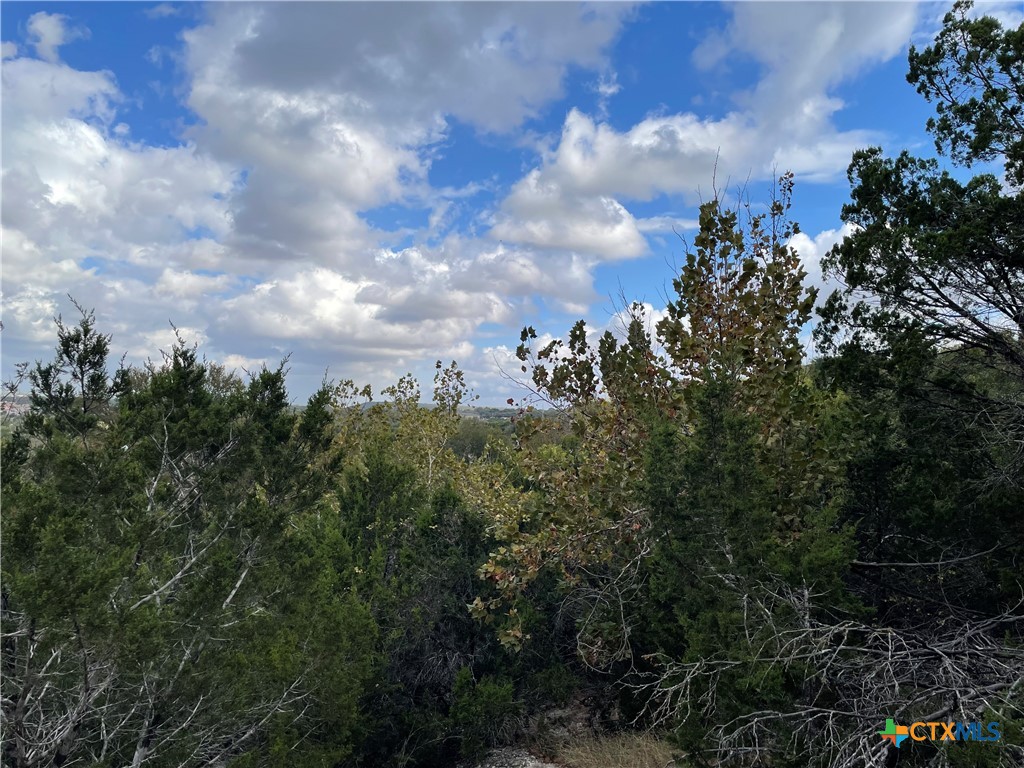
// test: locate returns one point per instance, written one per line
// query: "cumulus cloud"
(577, 198)
(783, 123)
(543, 213)
(89, 213)
(324, 307)
(335, 108)
(31, 313)
(807, 48)
(418, 303)
(49, 92)
(660, 154)
(162, 341)
(49, 31)
(519, 273)
(410, 67)
(184, 284)
(812, 250)
(253, 231)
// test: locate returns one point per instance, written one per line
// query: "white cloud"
(580, 190)
(412, 66)
(87, 212)
(711, 51)
(335, 108)
(606, 87)
(672, 153)
(49, 31)
(8, 50)
(49, 92)
(154, 342)
(235, 362)
(252, 232)
(542, 213)
(323, 308)
(184, 284)
(681, 153)
(663, 224)
(522, 273)
(809, 47)
(812, 250)
(29, 314)
(163, 11)
(293, 262)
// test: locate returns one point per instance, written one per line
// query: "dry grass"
(625, 750)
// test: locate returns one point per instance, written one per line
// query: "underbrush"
(621, 750)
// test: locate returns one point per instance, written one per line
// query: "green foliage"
(241, 580)
(974, 74)
(175, 567)
(418, 546)
(766, 554)
(934, 262)
(927, 336)
(927, 343)
(555, 684)
(482, 711)
(741, 301)
(473, 435)
(73, 392)
(701, 478)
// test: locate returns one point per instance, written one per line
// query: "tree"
(173, 593)
(695, 481)
(974, 73)
(933, 303)
(935, 262)
(72, 392)
(927, 341)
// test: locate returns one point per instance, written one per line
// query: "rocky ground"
(512, 757)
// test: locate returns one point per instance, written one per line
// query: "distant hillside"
(487, 413)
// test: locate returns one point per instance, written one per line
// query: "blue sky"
(370, 187)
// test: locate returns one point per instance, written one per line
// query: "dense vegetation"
(701, 530)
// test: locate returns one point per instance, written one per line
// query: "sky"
(367, 188)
